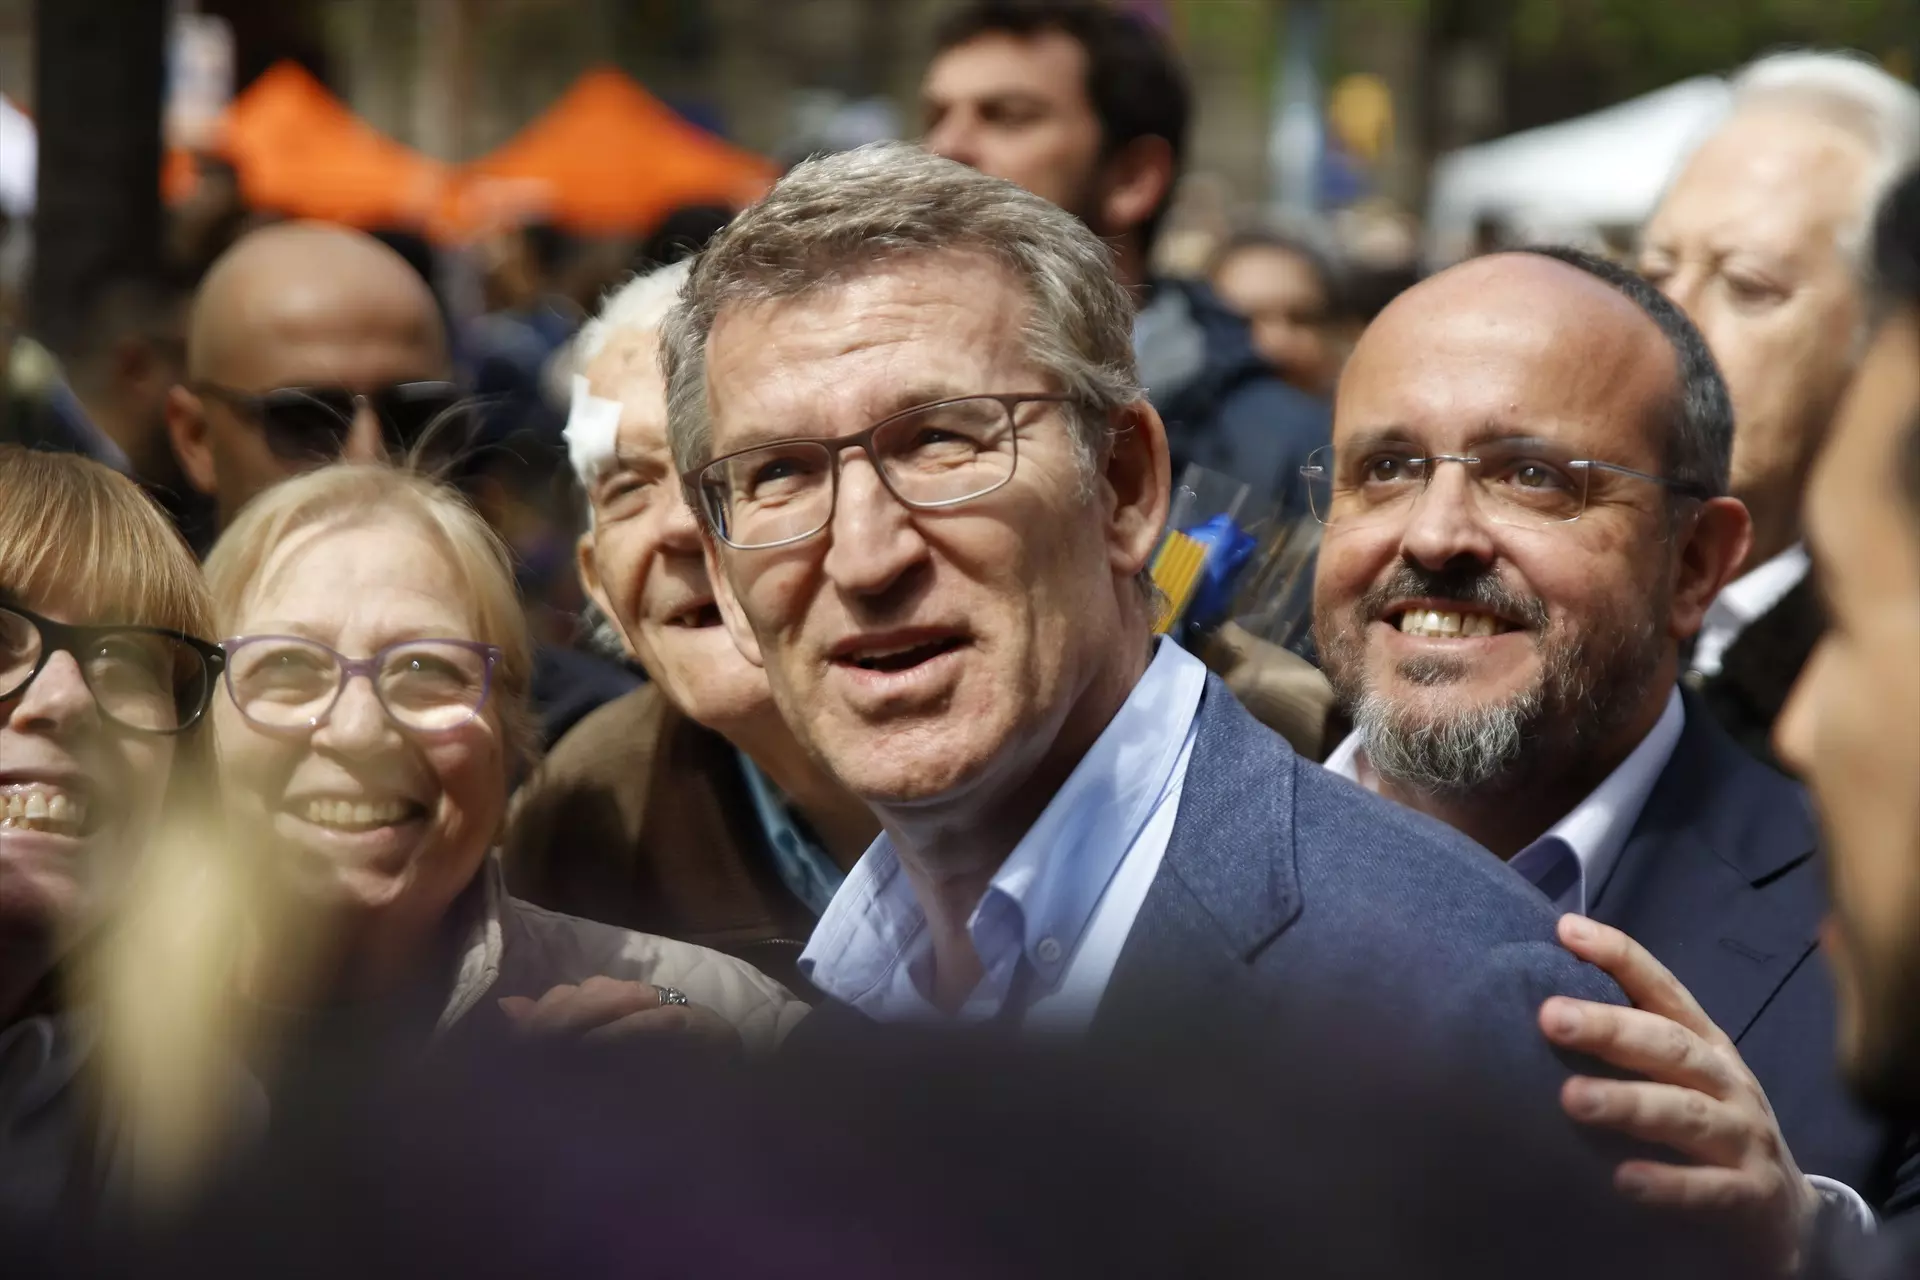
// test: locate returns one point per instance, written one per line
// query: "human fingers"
(1637, 1041)
(1702, 1188)
(1649, 984)
(593, 1003)
(517, 1008)
(1686, 1120)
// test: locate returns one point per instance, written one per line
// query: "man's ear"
(1138, 476)
(1135, 180)
(187, 431)
(730, 611)
(1709, 557)
(590, 583)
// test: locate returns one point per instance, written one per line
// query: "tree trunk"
(99, 68)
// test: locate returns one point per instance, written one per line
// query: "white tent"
(1602, 170)
(19, 157)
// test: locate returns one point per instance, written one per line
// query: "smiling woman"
(103, 683)
(374, 709)
(99, 675)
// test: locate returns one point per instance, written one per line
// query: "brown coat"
(639, 817)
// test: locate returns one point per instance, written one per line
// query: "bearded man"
(1526, 518)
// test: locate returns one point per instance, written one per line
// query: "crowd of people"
(888, 892)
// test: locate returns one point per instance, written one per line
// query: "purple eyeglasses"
(291, 683)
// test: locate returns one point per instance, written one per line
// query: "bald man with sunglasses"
(307, 343)
(310, 343)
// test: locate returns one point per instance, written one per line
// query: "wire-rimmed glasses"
(291, 683)
(929, 456)
(147, 679)
(1527, 483)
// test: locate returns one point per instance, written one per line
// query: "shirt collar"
(1597, 828)
(1743, 602)
(1039, 902)
(1757, 590)
(1061, 866)
(804, 867)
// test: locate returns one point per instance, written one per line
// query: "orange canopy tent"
(298, 150)
(607, 159)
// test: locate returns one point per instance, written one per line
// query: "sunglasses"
(305, 424)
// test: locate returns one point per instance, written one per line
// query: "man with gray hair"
(1762, 239)
(902, 395)
(1526, 517)
(685, 808)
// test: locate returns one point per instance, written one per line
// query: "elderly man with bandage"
(685, 808)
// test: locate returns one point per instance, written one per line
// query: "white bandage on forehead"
(592, 432)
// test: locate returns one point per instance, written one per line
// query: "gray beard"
(1592, 683)
(1581, 700)
(1468, 753)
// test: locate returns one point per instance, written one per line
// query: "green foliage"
(1646, 43)
(1237, 34)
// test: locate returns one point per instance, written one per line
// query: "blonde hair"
(72, 528)
(350, 492)
(157, 975)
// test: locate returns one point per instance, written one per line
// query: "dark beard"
(1589, 687)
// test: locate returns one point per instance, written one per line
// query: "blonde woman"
(374, 709)
(105, 678)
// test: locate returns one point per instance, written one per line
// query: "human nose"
(57, 700)
(679, 526)
(873, 539)
(1683, 287)
(954, 138)
(365, 443)
(357, 723)
(1444, 521)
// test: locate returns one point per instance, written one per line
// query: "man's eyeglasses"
(1523, 483)
(289, 683)
(307, 424)
(930, 456)
(147, 679)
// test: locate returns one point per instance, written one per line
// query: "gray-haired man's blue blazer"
(1285, 886)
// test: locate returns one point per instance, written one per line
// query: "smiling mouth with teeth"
(41, 808)
(1444, 625)
(349, 815)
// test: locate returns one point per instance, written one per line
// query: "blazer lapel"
(1759, 668)
(1702, 882)
(1228, 884)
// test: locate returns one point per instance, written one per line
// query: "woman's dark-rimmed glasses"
(929, 456)
(291, 683)
(147, 679)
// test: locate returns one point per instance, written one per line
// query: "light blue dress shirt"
(807, 870)
(1050, 926)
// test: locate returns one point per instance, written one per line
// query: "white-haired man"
(685, 807)
(1761, 239)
